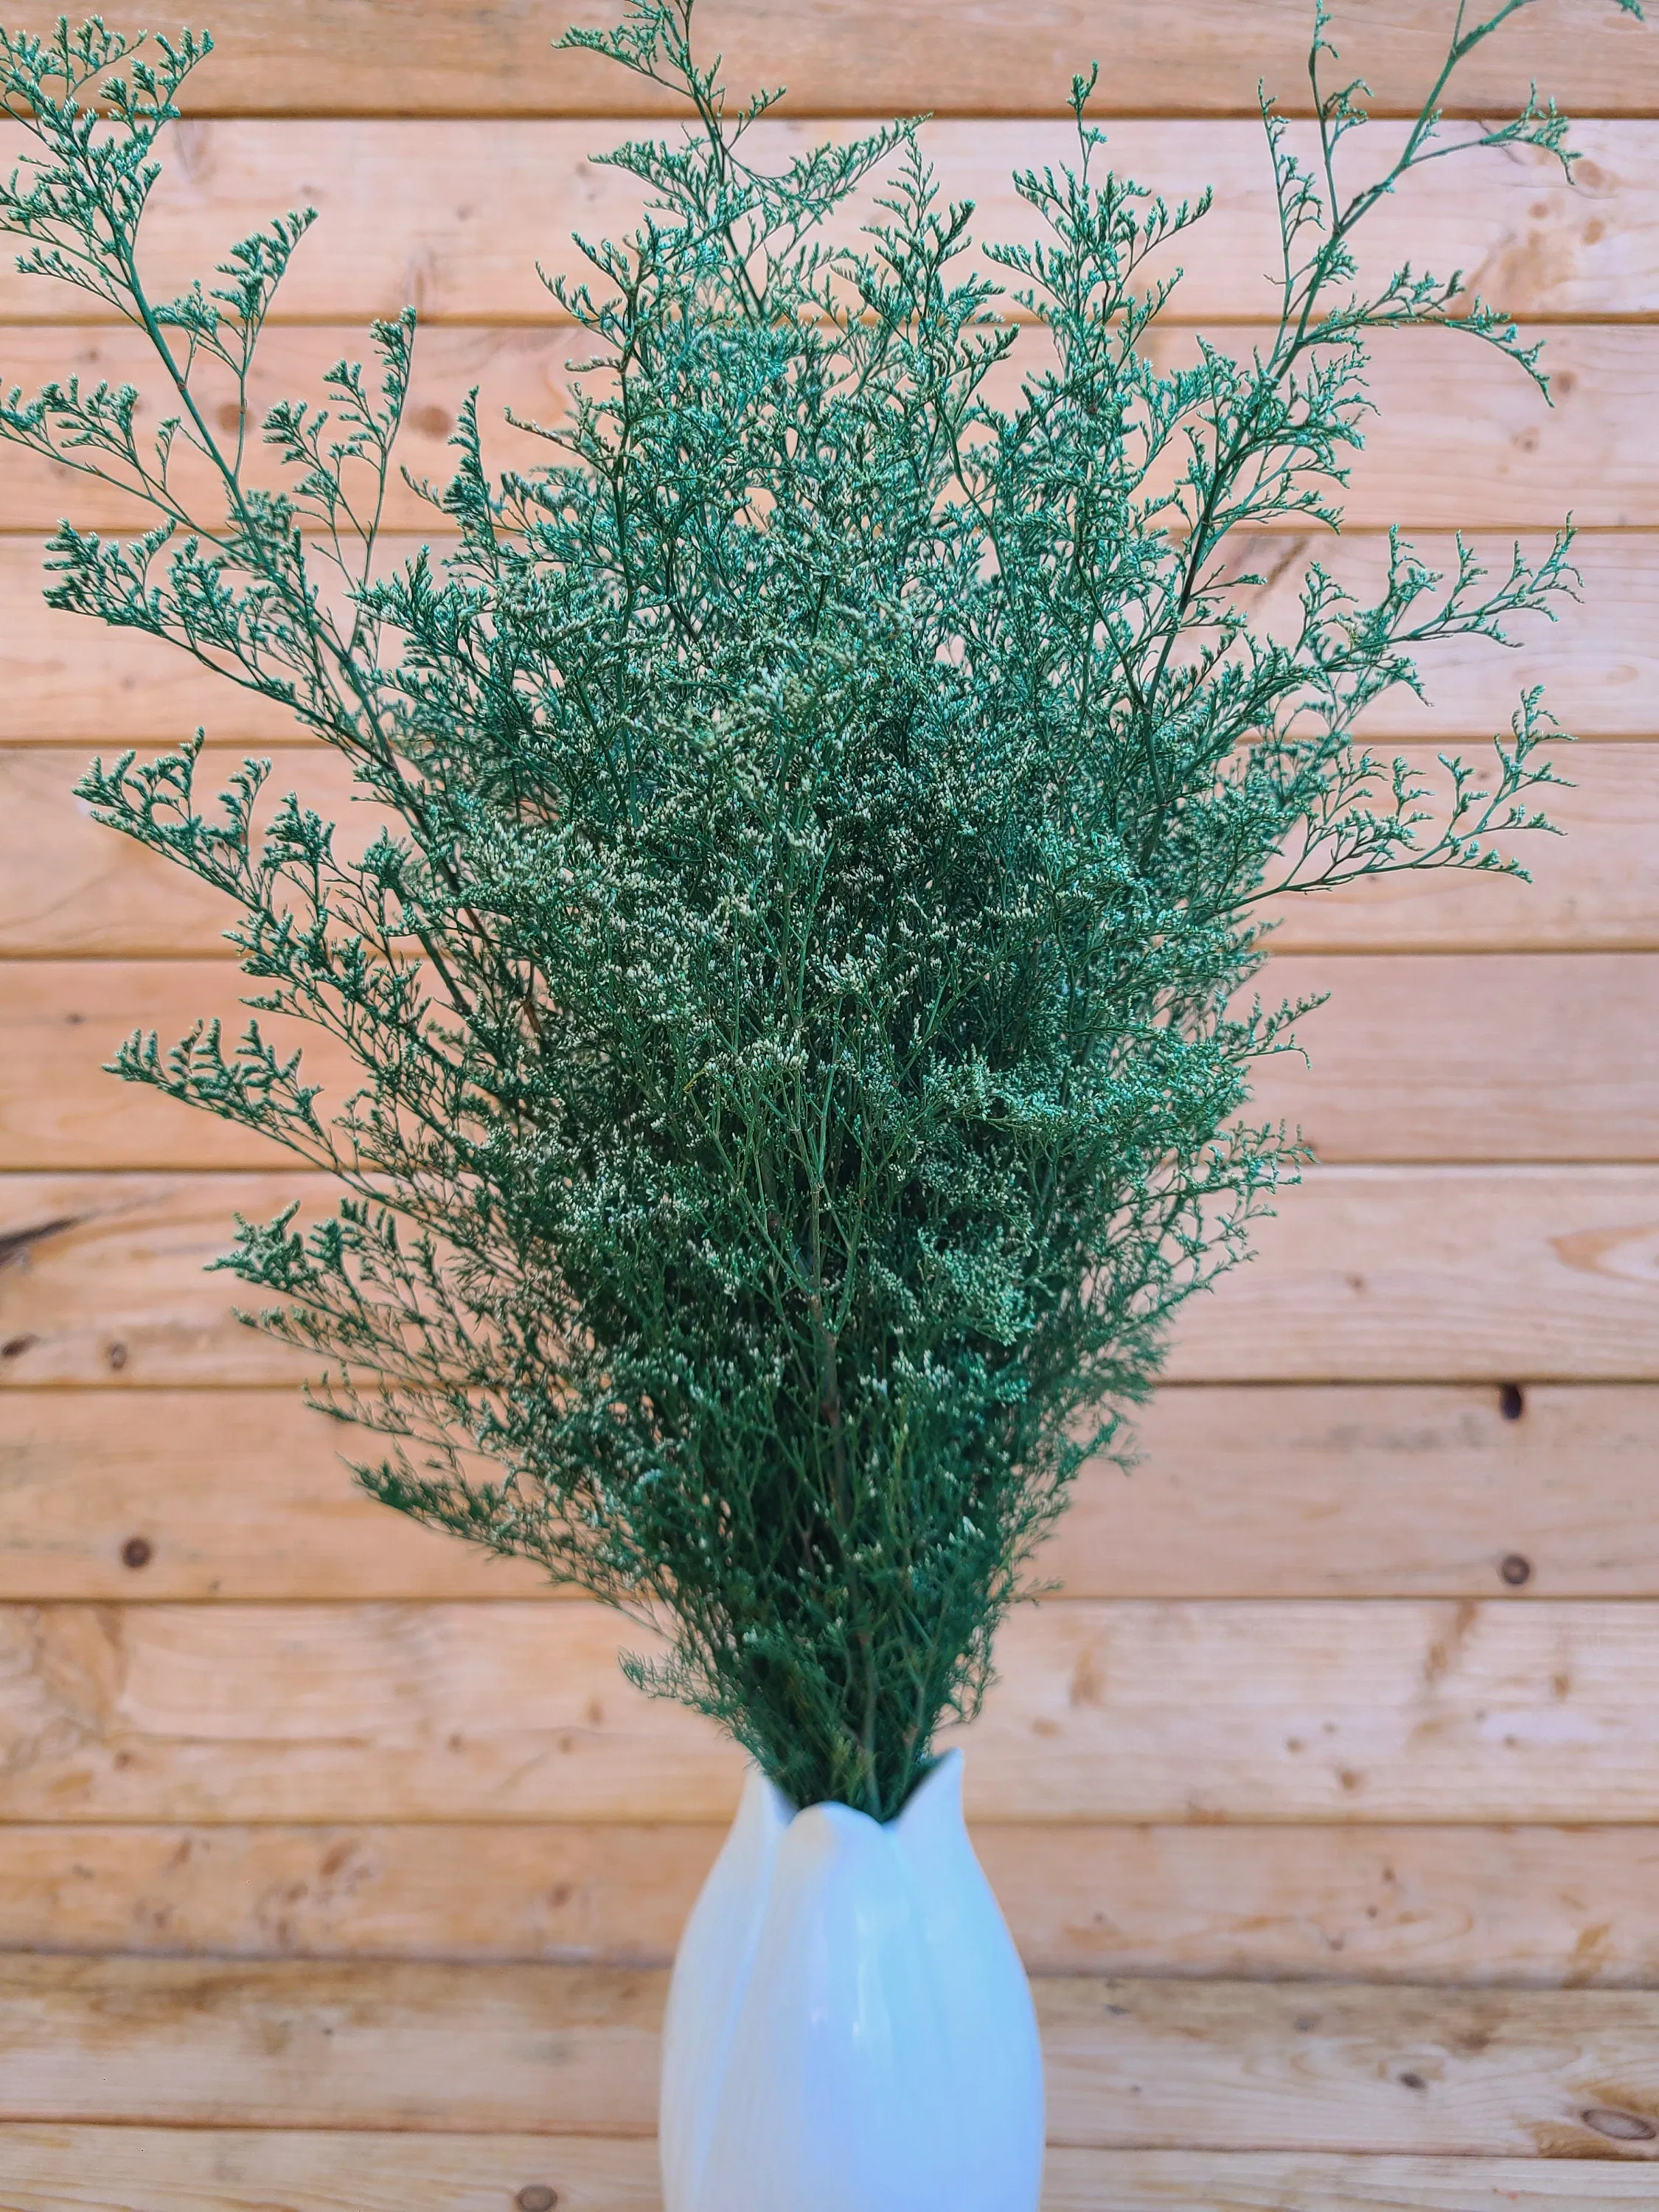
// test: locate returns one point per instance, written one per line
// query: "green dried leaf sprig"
(832, 814)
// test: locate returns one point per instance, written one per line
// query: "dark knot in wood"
(1623, 2127)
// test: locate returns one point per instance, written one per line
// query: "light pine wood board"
(572, 2050)
(52, 2167)
(372, 56)
(1447, 1057)
(1162, 2181)
(452, 217)
(57, 2169)
(1423, 1275)
(1439, 1273)
(1240, 1491)
(1385, 1711)
(1458, 440)
(1179, 2177)
(69, 888)
(73, 679)
(1504, 1906)
(1513, 1057)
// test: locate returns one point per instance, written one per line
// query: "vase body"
(849, 2028)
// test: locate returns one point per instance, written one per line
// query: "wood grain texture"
(69, 678)
(1592, 888)
(1517, 1057)
(1514, 1056)
(1440, 1274)
(452, 217)
(1456, 442)
(1176, 2181)
(1241, 1491)
(70, 2168)
(103, 1279)
(1131, 2064)
(1262, 1491)
(554, 2049)
(230, 1494)
(71, 889)
(60, 1024)
(1507, 1907)
(1549, 1275)
(53, 2168)
(1239, 2065)
(1450, 1713)
(1300, 1713)
(371, 57)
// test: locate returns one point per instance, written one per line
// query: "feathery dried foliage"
(831, 814)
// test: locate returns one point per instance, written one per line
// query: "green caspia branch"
(799, 992)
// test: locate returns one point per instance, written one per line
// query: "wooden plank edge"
(1495, 1907)
(94, 2168)
(1133, 2065)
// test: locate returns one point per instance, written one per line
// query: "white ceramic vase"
(849, 2028)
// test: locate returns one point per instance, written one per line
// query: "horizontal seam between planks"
(667, 118)
(228, 962)
(659, 1962)
(285, 1390)
(1543, 527)
(299, 740)
(1553, 1380)
(1049, 1604)
(1550, 1378)
(1508, 1824)
(89, 1165)
(196, 1176)
(1058, 1602)
(1551, 319)
(1014, 1823)
(59, 2120)
(1361, 532)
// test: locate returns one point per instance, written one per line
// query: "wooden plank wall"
(340, 1866)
